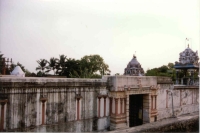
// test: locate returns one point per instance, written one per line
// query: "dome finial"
(134, 55)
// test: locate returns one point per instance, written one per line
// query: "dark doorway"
(135, 110)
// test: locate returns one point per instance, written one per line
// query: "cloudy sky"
(156, 29)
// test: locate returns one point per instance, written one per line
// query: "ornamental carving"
(188, 56)
(134, 68)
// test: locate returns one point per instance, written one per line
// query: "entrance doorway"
(135, 110)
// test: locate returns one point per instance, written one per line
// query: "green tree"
(95, 64)
(42, 65)
(91, 66)
(164, 70)
(61, 64)
(53, 63)
(72, 68)
(170, 65)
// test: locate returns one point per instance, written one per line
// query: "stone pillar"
(110, 106)
(151, 102)
(2, 116)
(121, 105)
(166, 98)
(192, 77)
(155, 101)
(43, 112)
(124, 105)
(116, 106)
(192, 95)
(2, 102)
(197, 96)
(78, 97)
(43, 100)
(99, 109)
(78, 109)
(180, 97)
(105, 106)
(127, 110)
(177, 77)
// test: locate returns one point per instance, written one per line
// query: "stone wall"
(185, 100)
(76, 105)
(24, 106)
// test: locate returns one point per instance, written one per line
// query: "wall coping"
(46, 79)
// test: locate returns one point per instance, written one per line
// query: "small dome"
(188, 56)
(134, 68)
(18, 72)
(134, 62)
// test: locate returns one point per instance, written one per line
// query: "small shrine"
(18, 72)
(134, 68)
(186, 67)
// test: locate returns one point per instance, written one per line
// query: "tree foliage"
(52, 65)
(165, 70)
(42, 66)
(92, 66)
(61, 66)
(169, 71)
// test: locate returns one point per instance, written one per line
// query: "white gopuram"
(18, 72)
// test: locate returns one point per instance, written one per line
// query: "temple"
(186, 67)
(134, 68)
(44, 104)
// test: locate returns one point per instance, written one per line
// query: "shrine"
(134, 68)
(187, 67)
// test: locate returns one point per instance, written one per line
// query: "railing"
(187, 81)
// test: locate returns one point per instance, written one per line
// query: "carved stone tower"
(134, 68)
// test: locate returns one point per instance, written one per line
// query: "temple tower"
(186, 67)
(134, 68)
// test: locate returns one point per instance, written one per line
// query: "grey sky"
(156, 29)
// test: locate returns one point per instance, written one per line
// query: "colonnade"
(104, 105)
(122, 106)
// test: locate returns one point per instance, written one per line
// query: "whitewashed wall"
(24, 108)
(185, 100)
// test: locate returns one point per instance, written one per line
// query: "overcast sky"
(156, 29)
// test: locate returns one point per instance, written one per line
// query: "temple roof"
(134, 68)
(187, 59)
(133, 62)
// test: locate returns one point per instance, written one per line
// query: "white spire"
(18, 72)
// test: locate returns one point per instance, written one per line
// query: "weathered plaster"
(25, 98)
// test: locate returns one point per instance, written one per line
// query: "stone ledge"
(176, 87)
